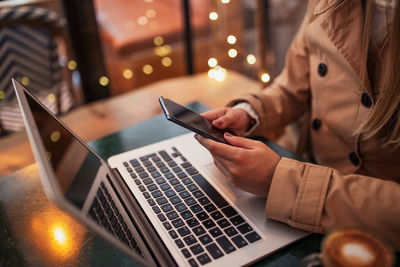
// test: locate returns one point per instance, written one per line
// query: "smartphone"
(191, 120)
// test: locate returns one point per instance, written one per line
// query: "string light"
(148, 1)
(231, 39)
(251, 59)
(158, 40)
(265, 77)
(72, 65)
(232, 53)
(150, 13)
(213, 15)
(25, 81)
(142, 20)
(166, 61)
(55, 136)
(212, 62)
(51, 97)
(147, 69)
(225, 1)
(103, 81)
(127, 74)
(218, 73)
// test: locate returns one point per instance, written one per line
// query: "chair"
(29, 52)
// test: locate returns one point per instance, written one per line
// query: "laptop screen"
(74, 165)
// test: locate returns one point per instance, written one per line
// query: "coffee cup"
(351, 247)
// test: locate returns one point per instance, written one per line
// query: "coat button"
(354, 159)
(316, 124)
(322, 69)
(366, 100)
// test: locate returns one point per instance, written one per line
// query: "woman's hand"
(234, 119)
(249, 164)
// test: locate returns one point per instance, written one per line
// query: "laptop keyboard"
(202, 223)
(105, 212)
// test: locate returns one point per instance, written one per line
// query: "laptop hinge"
(155, 245)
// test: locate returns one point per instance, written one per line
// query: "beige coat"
(356, 183)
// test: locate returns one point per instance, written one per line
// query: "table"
(34, 232)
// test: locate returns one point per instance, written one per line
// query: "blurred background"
(73, 53)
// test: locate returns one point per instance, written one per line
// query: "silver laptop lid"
(67, 166)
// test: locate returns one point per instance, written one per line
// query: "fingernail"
(196, 136)
(228, 134)
(219, 123)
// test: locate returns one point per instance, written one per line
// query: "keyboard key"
(216, 215)
(161, 217)
(189, 240)
(156, 209)
(133, 175)
(151, 168)
(193, 263)
(184, 231)
(190, 201)
(172, 163)
(174, 200)
(237, 220)
(179, 243)
(155, 158)
(156, 194)
(135, 163)
(210, 191)
(176, 169)
(214, 250)
(192, 187)
(192, 222)
(186, 181)
(196, 208)
(196, 249)
(191, 170)
(160, 180)
(230, 231)
(198, 194)
(139, 169)
(170, 193)
(164, 155)
(186, 165)
(172, 215)
(138, 182)
(205, 239)
(252, 237)
(223, 223)
(147, 181)
(142, 188)
(180, 207)
(167, 225)
(229, 211)
(165, 187)
(146, 163)
(182, 175)
(178, 223)
(146, 194)
(161, 200)
(244, 228)
(173, 234)
(199, 230)
(169, 175)
(225, 244)
(204, 201)
(239, 241)
(160, 164)
(164, 169)
(208, 224)
(186, 253)
(155, 174)
(151, 187)
(215, 232)
(184, 194)
(166, 207)
(186, 214)
(203, 259)
(202, 216)
(143, 175)
(179, 188)
(174, 181)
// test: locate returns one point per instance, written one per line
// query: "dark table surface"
(35, 232)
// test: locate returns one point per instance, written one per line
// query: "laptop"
(164, 204)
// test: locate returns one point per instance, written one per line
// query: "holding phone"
(191, 120)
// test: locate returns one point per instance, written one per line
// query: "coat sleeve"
(288, 97)
(319, 199)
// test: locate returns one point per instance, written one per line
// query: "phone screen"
(191, 120)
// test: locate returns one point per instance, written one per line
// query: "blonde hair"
(384, 120)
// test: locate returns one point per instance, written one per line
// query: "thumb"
(238, 141)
